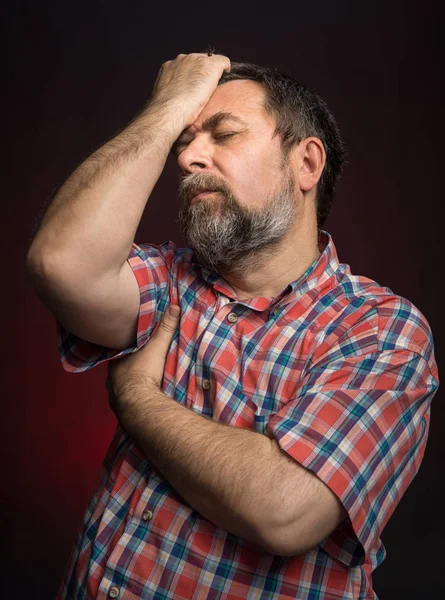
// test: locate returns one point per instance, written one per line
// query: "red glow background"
(77, 74)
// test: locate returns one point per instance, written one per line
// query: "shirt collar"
(316, 276)
(321, 270)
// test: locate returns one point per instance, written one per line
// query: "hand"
(187, 82)
(146, 365)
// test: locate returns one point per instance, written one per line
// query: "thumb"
(174, 310)
(170, 319)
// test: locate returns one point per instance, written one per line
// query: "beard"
(229, 238)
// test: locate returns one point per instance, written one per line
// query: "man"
(268, 431)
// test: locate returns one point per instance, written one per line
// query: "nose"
(196, 156)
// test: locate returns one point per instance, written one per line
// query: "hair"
(299, 113)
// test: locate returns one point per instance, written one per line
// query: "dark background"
(77, 73)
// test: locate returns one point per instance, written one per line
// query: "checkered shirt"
(339, 370)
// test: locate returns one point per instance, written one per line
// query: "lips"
(198, 193)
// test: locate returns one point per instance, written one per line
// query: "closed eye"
(223, 135)
(178, 147)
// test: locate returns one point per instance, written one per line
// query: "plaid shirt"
(339, 370)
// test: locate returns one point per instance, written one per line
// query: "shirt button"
(147, 515)
(232, 317)
(206, 384)
(114, 592)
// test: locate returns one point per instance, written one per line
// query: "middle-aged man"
(268, 432)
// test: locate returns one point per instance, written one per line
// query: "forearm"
(93, 218)
(221, 471)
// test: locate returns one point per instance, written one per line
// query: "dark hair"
(299, 113)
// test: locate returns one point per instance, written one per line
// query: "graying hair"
(299, 113)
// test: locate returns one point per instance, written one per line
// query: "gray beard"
(228, 238)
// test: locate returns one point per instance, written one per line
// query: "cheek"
(254, 181)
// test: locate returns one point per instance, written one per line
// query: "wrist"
(134, 406)
(165, 118)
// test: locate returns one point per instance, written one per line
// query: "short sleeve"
(360, 422)
(150, 264)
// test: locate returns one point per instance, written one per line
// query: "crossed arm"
(238, 479)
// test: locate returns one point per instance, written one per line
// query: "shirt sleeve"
(151, 266)
(360, 422)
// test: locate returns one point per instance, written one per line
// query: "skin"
(249, 163)
(238, 479)
(79, 264)
(268, 498)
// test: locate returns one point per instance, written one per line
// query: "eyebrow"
(211, 123)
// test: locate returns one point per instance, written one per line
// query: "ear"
(312, 161)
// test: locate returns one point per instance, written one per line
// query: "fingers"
(149, 360)
(187, 83)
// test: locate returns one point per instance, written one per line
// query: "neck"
(266, 275)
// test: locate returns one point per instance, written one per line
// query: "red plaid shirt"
(339, 370)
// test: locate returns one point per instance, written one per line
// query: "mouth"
(197, 195)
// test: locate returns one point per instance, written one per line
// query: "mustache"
(201, 180)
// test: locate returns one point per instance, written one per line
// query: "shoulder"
(371, 317)
(399, 323)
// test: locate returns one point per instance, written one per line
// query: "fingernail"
(174, 310)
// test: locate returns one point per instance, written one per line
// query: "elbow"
(36, 267)
(296, 548)
(46, 276)
(38, 258)
(304, 531)
(291, 536)
(289, 541)
(40, 267)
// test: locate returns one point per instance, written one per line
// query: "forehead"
(242, 98)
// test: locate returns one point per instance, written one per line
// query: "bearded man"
(272, 406)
